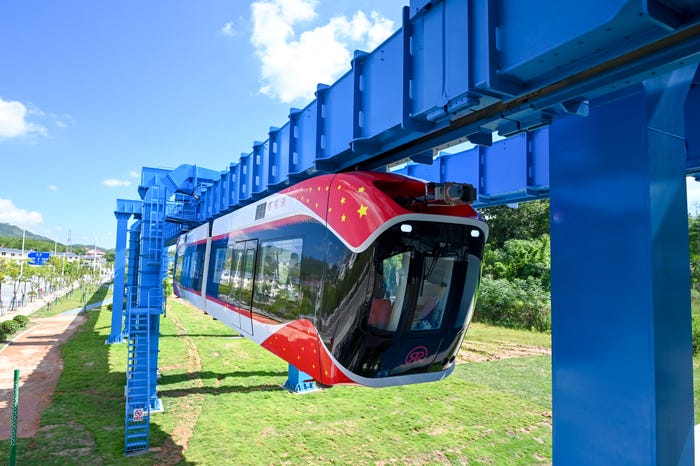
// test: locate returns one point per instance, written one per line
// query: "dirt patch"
(173, 449)
(37, 354)
(478, 351)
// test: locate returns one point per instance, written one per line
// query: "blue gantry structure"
(599, 104)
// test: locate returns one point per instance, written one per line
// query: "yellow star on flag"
(362, 210)
(362, 189)
(342, 200)
(342, 217)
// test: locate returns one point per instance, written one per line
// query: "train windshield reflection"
(430, 307)
(386, 308)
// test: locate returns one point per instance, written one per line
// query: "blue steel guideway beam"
(511, 170)
(460, 70)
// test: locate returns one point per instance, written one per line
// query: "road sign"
(38, 258)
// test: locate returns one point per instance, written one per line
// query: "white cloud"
(293, 64)
(228, 30)
(13, 120)
(9, 213)
(134, 174)
(53, 187)
(112, 182)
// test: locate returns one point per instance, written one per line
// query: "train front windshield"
(421, 274)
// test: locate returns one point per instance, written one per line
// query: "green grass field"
(75, 299)
(224, 405)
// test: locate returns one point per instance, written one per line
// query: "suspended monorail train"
(354, 278)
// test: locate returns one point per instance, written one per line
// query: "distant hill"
(11, 237)
(11, 231)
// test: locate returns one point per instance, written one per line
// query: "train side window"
(179, 263)
(198, 266)
(236, 270)
(220, 269)
(218, 256)
(390, 292)
(280, 271)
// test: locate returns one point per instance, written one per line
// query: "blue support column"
(299, 382)
(117, 334)
(621, 330)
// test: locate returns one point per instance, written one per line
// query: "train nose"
(413, 357)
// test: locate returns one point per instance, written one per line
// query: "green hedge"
(518, 303)
(21, 320)
(7, 328)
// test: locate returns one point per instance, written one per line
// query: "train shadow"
(167, 379)
(223, 390)
(205, 335)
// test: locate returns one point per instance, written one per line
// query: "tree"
(694, 236)
(8, 270)
(521, 259)
(110, 256)
(529, 220)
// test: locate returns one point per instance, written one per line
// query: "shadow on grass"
(177, 378)
(99, 295)
(212, 335)
(180, 392)
(85, 422)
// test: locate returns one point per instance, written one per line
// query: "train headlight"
(406, 228)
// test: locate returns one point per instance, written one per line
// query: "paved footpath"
(36, 353)
(34, 306)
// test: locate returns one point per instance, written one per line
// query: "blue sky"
(92, 91)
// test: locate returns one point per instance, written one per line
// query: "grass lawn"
(224, 404)
(75, 299)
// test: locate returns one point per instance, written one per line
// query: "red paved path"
(36, 353)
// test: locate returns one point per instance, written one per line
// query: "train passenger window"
(218, 256)
(430, 307)
(222, 270)
(197, 266)
(247, 283)
(390, 292)
(179, 262)
(280, 275)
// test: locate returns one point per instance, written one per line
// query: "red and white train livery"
(355, 278)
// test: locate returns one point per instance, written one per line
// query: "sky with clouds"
(92, 91)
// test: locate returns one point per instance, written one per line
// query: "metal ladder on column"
(138, 390)
(139, 377)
